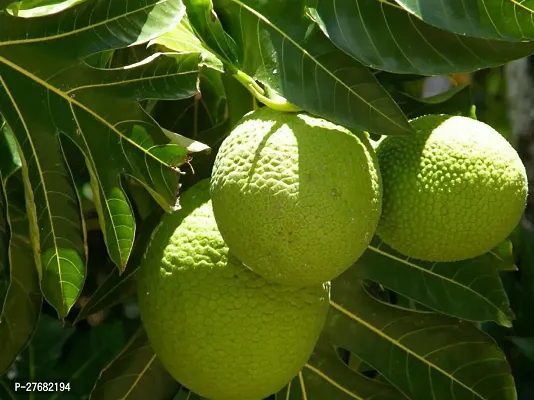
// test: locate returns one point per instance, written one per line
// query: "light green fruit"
(296, 198)
(218, 328)
(452, 191)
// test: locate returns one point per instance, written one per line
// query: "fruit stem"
(267, 96)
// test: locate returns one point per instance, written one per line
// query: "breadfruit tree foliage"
(109, 109)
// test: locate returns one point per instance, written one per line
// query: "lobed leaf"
(134, 373)
(384, 36)
(44, 351)
(325, 376)
(489, 19)
(470, 289)
(281, 48)
(62, 98)
(182, 39)
(21, 304)
(84, 356)
(422, 354)
(20, 294)
(118, 287)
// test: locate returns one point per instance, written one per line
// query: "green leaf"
(22, 302)
(85, 354)
(470, 289)
(422, 354)
(4, 245)
(325, 376)
(90, 27)
(526, 345)
(6, 390)
(135, 373)
(383, 36)
(206, 25)
(4, 4)
(488, 19)
(182, 39)
(10, 160)
(456, 101)
(44, 351)
(201, 113)
(118, 287)
(185, 394)
(97, 109)
(36, 8)
(292, 57)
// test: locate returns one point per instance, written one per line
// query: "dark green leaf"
(488, 19)
(470, 289)
(6, 389)
(44, 350)
(294, 58)
(383, 36)
(422, 354)
(88, 352)
(135, 374)
(185, 394)
(10, 160)
(325, 376)
(456, 101)
(4, 246)
(22, 303)
(206, 24)
(97, 110)
(526, 345)
(194, 115)
(119, 287)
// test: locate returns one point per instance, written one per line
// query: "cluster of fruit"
(234, 288)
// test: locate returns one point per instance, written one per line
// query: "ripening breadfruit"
(452, 191)
(297, 198)
(221, 330)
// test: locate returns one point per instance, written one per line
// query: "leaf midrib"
(307, 54)
(430, 272)
(402, 347)
(72, 101)
(77, 31)
(44, 185)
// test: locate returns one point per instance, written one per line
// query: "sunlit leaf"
(97, 110)
(489, 19)
(36, 8)
(470, 289)
(283, 50)
(182, 39)
(384, 36)
(422, 354)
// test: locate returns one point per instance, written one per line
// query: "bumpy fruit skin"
(452, 191)
(218, 328)
(296, 197)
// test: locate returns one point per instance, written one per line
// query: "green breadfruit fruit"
(452, 191)
(297, 198)
(221, 330)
